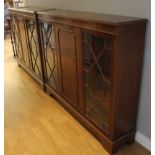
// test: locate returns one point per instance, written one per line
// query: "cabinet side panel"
(128, 58)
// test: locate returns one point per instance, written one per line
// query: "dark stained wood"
(99, 52)
(67, 48)
(92, 21)
(128, 58)
(89, 16)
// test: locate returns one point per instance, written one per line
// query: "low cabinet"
(91, 63)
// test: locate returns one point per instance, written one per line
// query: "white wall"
(137, 8)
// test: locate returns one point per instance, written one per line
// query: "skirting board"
(143, 140)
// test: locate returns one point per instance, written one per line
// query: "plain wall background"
(137, 8)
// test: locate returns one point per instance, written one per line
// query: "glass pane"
(33, 47)
(17, 38)
(97, 59)
(48, 39)
(21, 23)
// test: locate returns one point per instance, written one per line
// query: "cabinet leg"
(115, 152)
(52, 96)
(18, 64)
(44, 88)
(130, 141)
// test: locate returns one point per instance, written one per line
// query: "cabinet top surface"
(90, 16)
(29, 9)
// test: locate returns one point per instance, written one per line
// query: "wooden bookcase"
(91, 63)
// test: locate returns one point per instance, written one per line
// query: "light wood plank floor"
(35, 124)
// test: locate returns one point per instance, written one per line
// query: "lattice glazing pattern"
(33, 47)
(16, 39)
(97, 83)
(48, 38)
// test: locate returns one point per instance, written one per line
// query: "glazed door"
(97, 49)
(49, 55)
(20, 40)
(31, 30)
(68, 45)
(25, 43)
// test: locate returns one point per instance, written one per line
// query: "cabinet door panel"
(20, 40)
(24, 42)
(49, 54)
(97, 78)
(67, 41)
(33, 47)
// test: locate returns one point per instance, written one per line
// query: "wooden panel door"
(68, 46)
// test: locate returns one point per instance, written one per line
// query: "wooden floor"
(35, 124)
